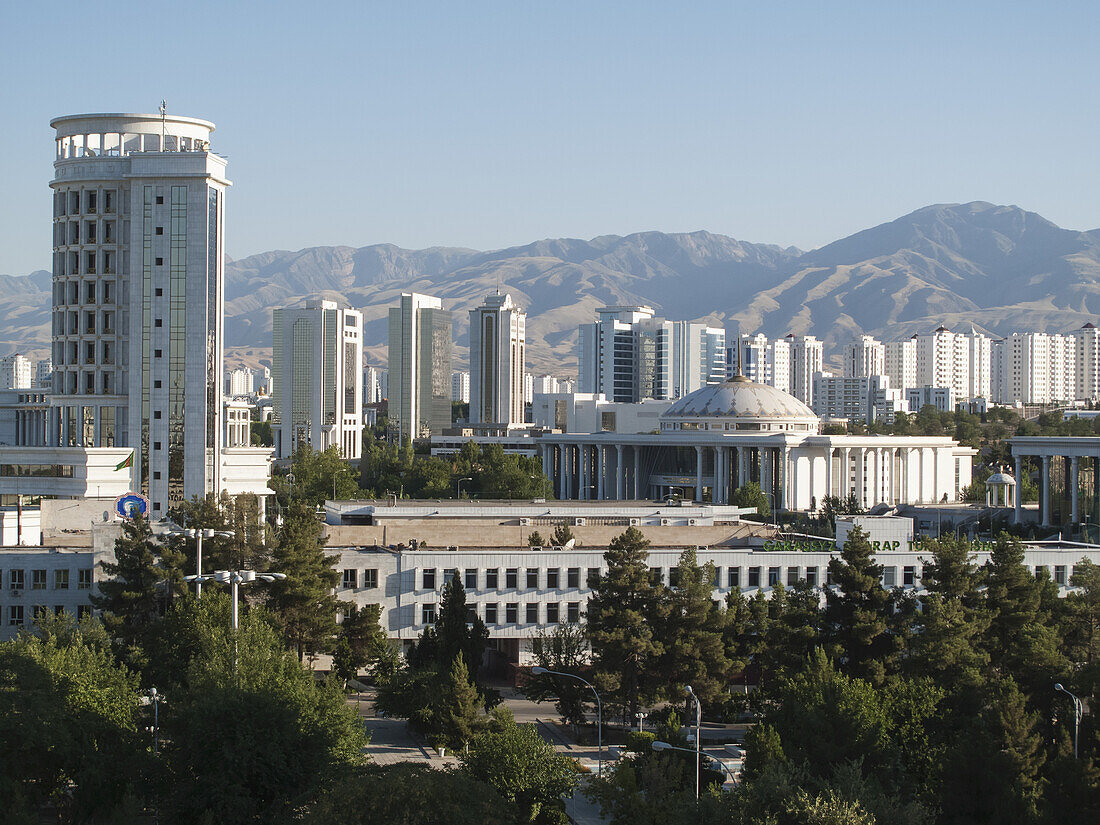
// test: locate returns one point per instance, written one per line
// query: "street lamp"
(235, 578)
(698, 738)
(153, 698)
(1077, 713)
(458, 486)
(541, 671)
(665, 746)
(641, 719)
(198, 535)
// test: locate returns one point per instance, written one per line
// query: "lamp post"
(153, 698)
(641, 718)
(198, 535)
(698, 726)
(665, 746)
(540, 671)
(236, 578)
(458, 486)
(1077, 712)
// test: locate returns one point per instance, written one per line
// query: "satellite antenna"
(569, 545)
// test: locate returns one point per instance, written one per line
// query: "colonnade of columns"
(1072, 468)
(875, 475)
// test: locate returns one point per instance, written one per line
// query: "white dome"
(739, 404)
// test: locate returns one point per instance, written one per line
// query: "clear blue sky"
(487, 124)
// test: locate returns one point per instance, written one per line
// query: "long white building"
(317, 365)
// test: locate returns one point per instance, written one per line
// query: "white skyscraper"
(15, 372)
(778, 357)
(807, 354)
(318, 370)
(419, 366)
(139, 212)
(901, 362)
(1034, 368)
(498, 353)
(864, 357)
(375, 385)
(943, 360)
(43, 372)
(460, 387)
(1087, 363)
(752, 358)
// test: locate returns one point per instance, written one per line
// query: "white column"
(698, 473)
(1074, 470)
(741, 474)
(861, 473)
(586, 472)
(1019, 507)
(601, 472)
(638, 472)
(784, 470)
(620, 472)
(1044, 492)
(568, 467)
(828, 471)
(844, 486)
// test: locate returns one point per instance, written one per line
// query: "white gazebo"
(1000, 490)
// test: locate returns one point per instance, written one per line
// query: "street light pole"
(1076, 715)
(540, 671)
(458, 486)
(665, 746)
(698, 726)
(235, 578)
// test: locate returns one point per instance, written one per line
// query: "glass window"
(511, 613)
(532, 578)
(84, 579)
(83, 611)
(471, 579)
(717, 576)
(552, 613)
(792, 576)
(491, 579)
(754, 577)
(15, 614)
(38, 580)
(573, 612)
(552, 579)
(889, 576)
(573, 577)
(427, 613)
(656, 576)
(1041, 571)
(61, 579)
(593, 576)
(511, 578)
(428, 578)
(674, 577)
(370, 578)
(1059, 574)
(773, 576)
(811, 576)
(40, 612)
(351, 578)
(908, 575)
(532, 613)
(490, 614)
(449, 574)
(733, 577)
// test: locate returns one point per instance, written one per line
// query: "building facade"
(864, 357)
(15, 372)
(318, 369)
(419, 367)
(498, 362)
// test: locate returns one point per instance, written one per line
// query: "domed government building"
(714, 440)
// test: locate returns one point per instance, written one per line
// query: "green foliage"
(319, 476)
(750, 495)
(407, 793)
(459, 707)
(68, 714)
(562, 535)
(251, 733)
(624, 611)
(260, 434)
(535, 539)
(304, 602)
(522, 768)
(562, 648)
(365, 641)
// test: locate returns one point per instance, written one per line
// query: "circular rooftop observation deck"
(116, 135)
(740, 405)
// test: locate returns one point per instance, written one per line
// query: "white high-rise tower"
(498, 354)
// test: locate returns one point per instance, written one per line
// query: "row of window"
(555, 612)
(16, 578)
(350, 580)
(70, 292)
(69, 203)
(16, 614)
(72, 232)
(532, 577)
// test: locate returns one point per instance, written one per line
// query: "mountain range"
(999, 268)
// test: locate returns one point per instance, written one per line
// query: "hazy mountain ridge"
(999, 267)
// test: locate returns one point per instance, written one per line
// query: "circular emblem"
(128, 504)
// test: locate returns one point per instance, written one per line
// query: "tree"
(750, 495)
(522, 768)
(855, 618)
(624, 610)
(535, 539)
(459, 711)
(406, 793)
(563, 648)
(138, 586)
(366, 641)
(68, 723)
(318, 476)
(455, 634)
(251, 733)
(303, 602)
(562, 535)
(694, 652)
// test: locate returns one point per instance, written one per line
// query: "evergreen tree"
(750, 495)
(139, 584)
(623, 611)
(366, 641)
(694, 651)
(563, 648)
(792, 630)
(855, 618)
(456, 632)
(303, 602)
(535, 539)
(562, 535)
(458, 715)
